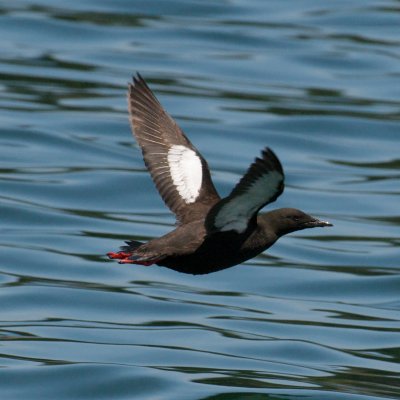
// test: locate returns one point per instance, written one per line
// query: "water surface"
(316, 317)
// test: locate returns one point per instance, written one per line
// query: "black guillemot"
(212, 233)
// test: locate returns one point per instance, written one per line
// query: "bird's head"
(287, 220)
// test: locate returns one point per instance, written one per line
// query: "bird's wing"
(261, 185)
(179, 172)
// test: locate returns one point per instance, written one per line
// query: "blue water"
(316, 317)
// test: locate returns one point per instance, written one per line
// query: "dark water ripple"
(317, 317)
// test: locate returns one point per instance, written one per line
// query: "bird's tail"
(132, 245)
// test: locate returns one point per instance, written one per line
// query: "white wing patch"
(186, 172)
(236, 213)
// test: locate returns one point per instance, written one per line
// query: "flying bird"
(211, 233)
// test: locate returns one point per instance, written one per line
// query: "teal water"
(316, 317)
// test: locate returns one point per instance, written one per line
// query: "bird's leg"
(128, 258)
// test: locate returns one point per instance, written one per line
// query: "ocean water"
(316, 316)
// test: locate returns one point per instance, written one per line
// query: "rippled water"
(316, 317)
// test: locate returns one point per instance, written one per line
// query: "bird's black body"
(212, 233)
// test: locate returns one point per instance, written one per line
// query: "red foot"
(118, 256)
(123, 258)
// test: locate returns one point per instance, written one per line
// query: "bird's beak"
(318, 223)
